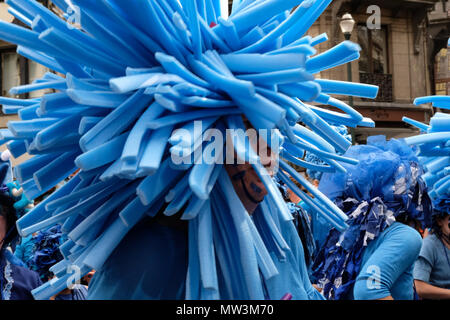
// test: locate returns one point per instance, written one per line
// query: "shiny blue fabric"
(383, 187)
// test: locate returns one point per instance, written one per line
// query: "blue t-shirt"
(387, 265)
(432, 265)
(79, 292)
(151, 263)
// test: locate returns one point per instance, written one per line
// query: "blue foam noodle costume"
(433, 150)
(134, 74)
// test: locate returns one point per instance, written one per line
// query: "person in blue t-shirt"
(16, 281)
(385, 200)
(432, 268)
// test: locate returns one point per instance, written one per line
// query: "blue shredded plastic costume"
(383, 188)
(137, 75)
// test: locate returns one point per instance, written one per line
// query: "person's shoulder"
(404, 234)
(430, 243)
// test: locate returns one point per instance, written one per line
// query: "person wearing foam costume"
(125, 117)
(432, 268)
(385, 199)
(16, 280)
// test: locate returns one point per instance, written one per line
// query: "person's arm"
(395, 255)
(428, 291)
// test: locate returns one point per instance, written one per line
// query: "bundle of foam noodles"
(433, 146)
(133, 81)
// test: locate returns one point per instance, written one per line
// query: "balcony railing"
(383, 81)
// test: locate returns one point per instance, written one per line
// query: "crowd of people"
(397, 245)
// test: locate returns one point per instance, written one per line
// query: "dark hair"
(435, 228)
(8, 211)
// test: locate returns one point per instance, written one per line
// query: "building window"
(374, 54)
(374, 63)
(10, 72)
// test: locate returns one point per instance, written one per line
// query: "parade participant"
(16, 281)
(382, 195)
(167, 278)
(432, 268)
(125, 115)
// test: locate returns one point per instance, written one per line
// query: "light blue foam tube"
(133, 82)
(25, 170)
(39, 212)
(109, 240)
(77, 195)
(307, 165)
(56, 85)
(348, 88)
(56, 171)
(213, 37)
(333, 137)
(18, 102)
(237, 87)
(95, 59)
(87, 123)
(87, 230)
(340, 118)
(89, 204)
(28, 113)
(193, 208)
(154, 150)
(327, 202)
(431, 99)
(437, 164)
(152, 186)
(101, 155)
(40, 58)
(29, 128)
(259, 13)
(206, 249)
(248, 258)
(172, 65)
(193, 281)
(440, 124)
(50, 136)
(278, 77)
(110, 126)
(133, 212)
(229, 34)
(201, 174)
(416, 124)
(134, 143)
(17, 148)
(332, 219)
(191, 115)
(436, 137)
(274, 230)
(178, 202)
(258, 63)
(332, 57)
(315, 9)
(97, 99)
(190, 132)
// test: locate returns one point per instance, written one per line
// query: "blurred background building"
(402, 56)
